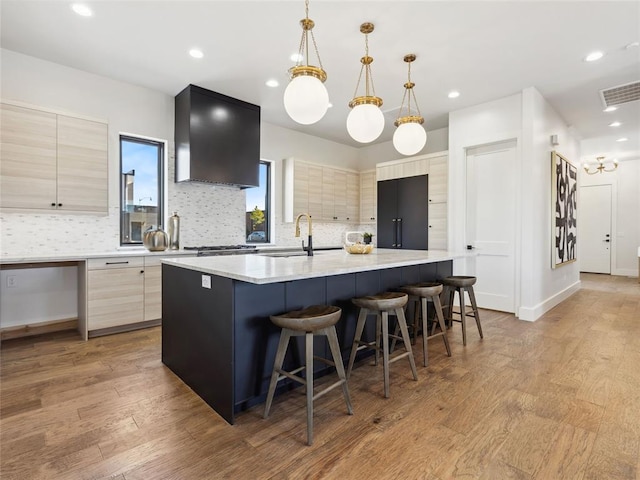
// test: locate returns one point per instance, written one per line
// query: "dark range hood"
(217, 138)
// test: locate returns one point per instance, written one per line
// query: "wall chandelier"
(601, 167)
(306, 99)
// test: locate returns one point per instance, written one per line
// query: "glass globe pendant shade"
(306, 99)
(365, 123)
(409, 138)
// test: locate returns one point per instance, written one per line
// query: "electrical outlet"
(12, 281)
(206, 281)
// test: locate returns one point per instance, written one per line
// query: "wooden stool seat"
(459, 281)
(310, 321)
(423, 293)
(382, 301)
(382, 305)
(461, 284)
(425, 289)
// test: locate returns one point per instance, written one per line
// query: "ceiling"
(484, 49)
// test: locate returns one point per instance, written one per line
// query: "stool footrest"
(284, 374)
(329, 388)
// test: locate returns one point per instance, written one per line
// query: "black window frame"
(161, 147)
(268, 205)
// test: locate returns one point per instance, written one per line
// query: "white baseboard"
(532, 314)
(625, 272)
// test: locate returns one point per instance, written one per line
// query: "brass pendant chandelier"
(601, 167)
(410, 136)
(365, 121)
(306, 98)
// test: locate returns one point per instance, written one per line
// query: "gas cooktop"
(207, 250)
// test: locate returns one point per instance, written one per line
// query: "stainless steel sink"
(284, 254)
(295, 253)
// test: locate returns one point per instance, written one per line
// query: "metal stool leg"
(309, 385)
(405, 336)
(362, 317)
(332, 338)
(474, 306)
(285, 335)
(385, 351)
(440, 317)
(463, 316)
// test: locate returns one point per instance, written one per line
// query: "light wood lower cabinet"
(123, 291)
(152, 288)
(115, 292)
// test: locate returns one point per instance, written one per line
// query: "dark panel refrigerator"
(403, 210)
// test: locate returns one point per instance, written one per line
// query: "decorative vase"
(174, 232)
(155, 240)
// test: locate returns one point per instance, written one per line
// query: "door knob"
(607, 240)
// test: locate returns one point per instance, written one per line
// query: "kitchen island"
(216, 332)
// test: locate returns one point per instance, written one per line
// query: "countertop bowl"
(359, 248)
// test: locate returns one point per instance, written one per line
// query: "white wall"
(541, 286)
(625, 232)
(527, 118)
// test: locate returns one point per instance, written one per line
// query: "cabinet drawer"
(115, 262)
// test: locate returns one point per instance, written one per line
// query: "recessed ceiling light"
(195, 53)
(593, 56)
(615, 124)
(82, 9)
(632, 45)
(453, 94)
(623, 139)
(272, 82)
(610, 109)
(296, 57)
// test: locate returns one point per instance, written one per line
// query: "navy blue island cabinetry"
(220, 340)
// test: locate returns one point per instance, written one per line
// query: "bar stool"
(423, 293)
(382, 305)
(461, 284)
(314, 320)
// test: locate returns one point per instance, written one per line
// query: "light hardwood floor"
(554, 399)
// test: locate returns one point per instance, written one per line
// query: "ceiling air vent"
(621, 94)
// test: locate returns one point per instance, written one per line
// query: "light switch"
(206, 281)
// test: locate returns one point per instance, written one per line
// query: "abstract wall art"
(564, 178)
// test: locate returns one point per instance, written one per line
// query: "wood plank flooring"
(555, 399)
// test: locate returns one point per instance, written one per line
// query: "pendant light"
(365, 121)
(306, 98)
(410, 137)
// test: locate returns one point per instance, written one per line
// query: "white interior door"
(491, 224)
(594, 224)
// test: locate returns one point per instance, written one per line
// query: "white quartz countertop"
(73, 257)
(262, 268)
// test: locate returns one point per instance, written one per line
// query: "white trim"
(532, 314)
(624, 272)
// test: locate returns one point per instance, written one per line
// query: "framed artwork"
(564, 186)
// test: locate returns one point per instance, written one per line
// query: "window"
(141, 192)
(259, 207)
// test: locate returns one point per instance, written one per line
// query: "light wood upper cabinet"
(28, 158)
(368, 197)
(52, 162)
(82, 165)
(353, 197)
(327, 194)
(438, 174)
